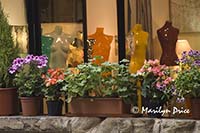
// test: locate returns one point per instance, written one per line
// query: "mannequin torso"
(102, 44)
(168, 36)
(59, 49)
(139, 54)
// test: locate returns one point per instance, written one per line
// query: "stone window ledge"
(20, 124)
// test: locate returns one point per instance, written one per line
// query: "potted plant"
(28, 71)
(187, 81)
(99, 90)
(8, 51)
(52, 90)
(157, 85)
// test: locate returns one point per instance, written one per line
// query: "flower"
(28, 71)
(40, 61)
(53, 80)
(156, 81)
(187, 81)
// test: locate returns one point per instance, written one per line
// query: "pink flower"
(160, 74)
(158, 85)
(167, 80)
(151, 62)
(149, 69)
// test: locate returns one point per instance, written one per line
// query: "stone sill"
(46, 124)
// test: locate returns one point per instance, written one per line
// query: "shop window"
(62, 32)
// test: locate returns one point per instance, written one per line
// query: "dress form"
(59, 48)
(168, 36)
(139, 54)
(102, 44)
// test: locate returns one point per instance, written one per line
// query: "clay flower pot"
(9, 101)
(31, 106)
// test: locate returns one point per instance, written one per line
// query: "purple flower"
(28, 59)
(180, 100)
(39, 61)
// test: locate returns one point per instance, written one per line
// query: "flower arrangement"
(187, 81)
(28, 71)
(157, 85)
(105, 80)
(53, 82)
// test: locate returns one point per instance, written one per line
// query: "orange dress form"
(102, 44)
(139, 54)
(168, 36)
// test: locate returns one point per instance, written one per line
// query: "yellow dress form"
(102, 44)
(139, 55)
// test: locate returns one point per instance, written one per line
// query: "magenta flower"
(39, 61)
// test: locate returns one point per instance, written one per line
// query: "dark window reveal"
(60, 11)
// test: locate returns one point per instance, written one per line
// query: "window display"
(62, 21)
(59, 48)
(20, 38)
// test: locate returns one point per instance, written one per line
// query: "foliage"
(157, 85)
(8, 51)
(105, 80)
(53, 83)
(28, 73)
(188, 78)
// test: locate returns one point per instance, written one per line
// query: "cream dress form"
(59, 49)
(102, 44)
(139, 55)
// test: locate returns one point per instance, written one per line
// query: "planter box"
(98, 107)
(195, 106)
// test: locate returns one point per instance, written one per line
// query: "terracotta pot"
(9, 101)
(195, 106)
(31, 106)
(98, 106)
(54, 107)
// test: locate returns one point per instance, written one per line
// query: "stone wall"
(19, 124)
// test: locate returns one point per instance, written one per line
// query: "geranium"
(156, 81)
(105, 80)
(188, 78)
(28, 73)
(53, 82)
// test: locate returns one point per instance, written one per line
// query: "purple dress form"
(168, 35)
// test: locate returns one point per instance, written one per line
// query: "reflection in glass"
(66, 49)
(62, 32)
(20, 38)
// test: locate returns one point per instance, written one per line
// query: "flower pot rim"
(195, 98)
(98, 98)
(36, 97)
(9, 88)
(59, 100)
